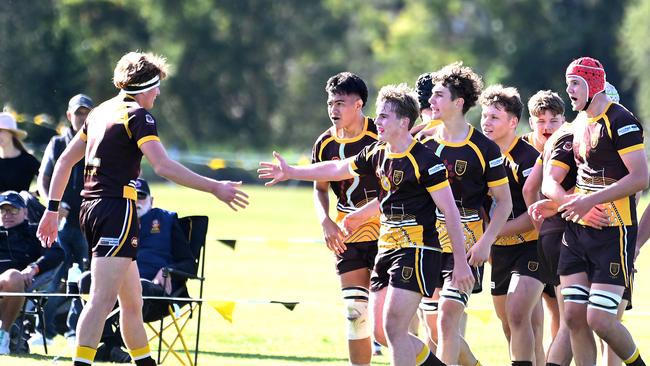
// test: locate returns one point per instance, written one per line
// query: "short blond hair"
(139, 67)
(403, 101)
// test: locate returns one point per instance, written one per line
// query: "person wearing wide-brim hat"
(19, 167)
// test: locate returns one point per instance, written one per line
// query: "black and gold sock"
(142, 356)
(635, 359)
(426, 358)
(522, 363)
(84, 356)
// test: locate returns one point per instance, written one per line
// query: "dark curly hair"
(347, 83)
(461, 81)
(423, 86)
(506, 97)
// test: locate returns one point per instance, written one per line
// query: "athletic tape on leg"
(604, 300)
(356, 312)
(429, 307)
(454, 294)
(575, 293)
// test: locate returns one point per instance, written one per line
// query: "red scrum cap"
(591, 71)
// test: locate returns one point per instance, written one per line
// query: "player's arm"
(533, 184)
(636, 180)
(333, 170)
(226, 191)
(331, 231)
(48, 227)
(462, 277)
(362, 215)
(479, 253)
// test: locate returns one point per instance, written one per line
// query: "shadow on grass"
(41, 357)
(258, 356)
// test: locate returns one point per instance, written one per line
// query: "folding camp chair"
(179, 313)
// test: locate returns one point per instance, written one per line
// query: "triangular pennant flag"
(228, 242)
(225, 308)
(287, 304)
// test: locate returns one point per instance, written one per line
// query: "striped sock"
(84, 356)
(142, 356)
(426, 358)
(635, 359)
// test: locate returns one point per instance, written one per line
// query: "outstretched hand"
(229, 193)
(276, 172)
(48, 228)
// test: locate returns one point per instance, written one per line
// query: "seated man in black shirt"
(21, 259)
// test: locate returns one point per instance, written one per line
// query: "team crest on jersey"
(568, 146)
(134, 242)
(398, 176)
(385, 183)
(407, 273)
(614, 269)
(149, 119)
(460, 167)
(155, 226)
(533, 266)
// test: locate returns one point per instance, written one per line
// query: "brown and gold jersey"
(528, 138)
(356, 192)
(520, 160)
(598, 144)
(407, 210)
(114, 132)
(558, 151)
(473, 166)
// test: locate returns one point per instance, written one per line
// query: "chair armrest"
(183, 274)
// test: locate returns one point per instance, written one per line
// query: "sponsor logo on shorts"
(533, 266)
(134, 242)
(398, 175)
(407, 273)
(614, 269)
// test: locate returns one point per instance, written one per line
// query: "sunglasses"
(9, 210)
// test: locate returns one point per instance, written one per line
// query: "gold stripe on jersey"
(438, 186)
(340, 140)
(472, 232)
(514, 166)
(124, 120)
(560, 164)
(630, 149)
(129, 193)
(478, 152)
(517, 239)
(322, 147)
(147, 139)
(496, 183)
(539, 161)
(416, 167)
(368, 231)
(83, 136)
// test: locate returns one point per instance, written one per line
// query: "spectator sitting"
(71, 238)
(161, 244)
(21, 259)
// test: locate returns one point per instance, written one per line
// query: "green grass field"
(276, 259)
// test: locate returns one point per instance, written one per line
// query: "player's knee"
(602, 310)
(13, 281)
(356, 312)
